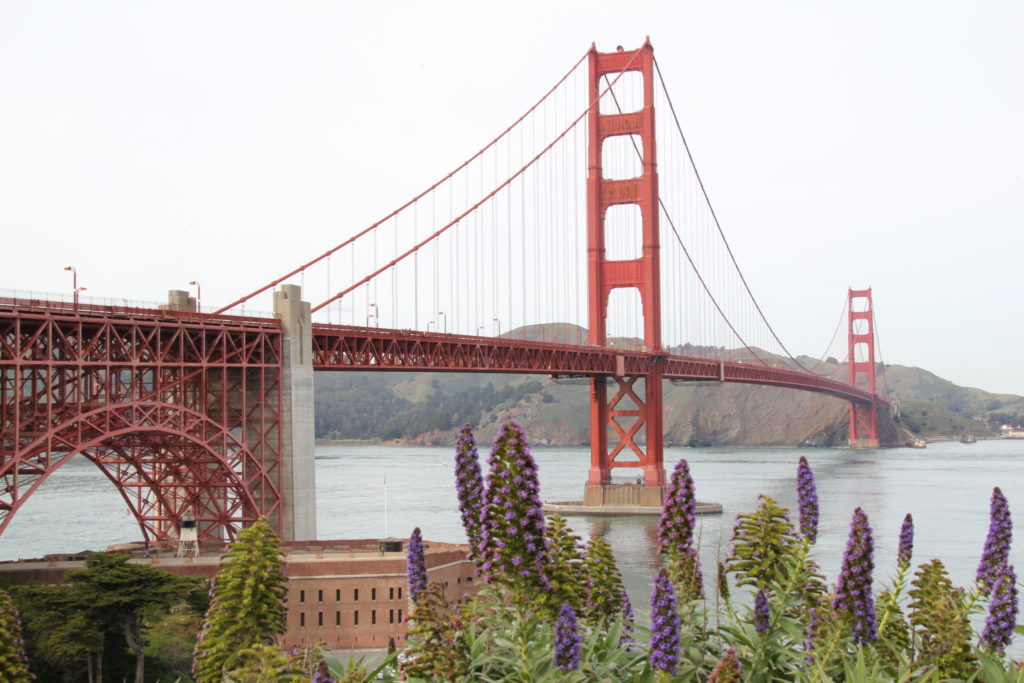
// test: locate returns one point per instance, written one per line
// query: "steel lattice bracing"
(629, 410)
(180, 414)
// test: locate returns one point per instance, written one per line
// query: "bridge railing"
(65, 303)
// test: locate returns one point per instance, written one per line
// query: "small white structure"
(188, 536)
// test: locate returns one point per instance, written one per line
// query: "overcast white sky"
(843, 144)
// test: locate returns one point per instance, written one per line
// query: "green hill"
(425, 408)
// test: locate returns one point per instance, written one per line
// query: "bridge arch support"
(163, 458)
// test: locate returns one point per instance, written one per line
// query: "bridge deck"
(341, 347)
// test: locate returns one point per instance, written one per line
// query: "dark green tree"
(248, 603)
(120, 596)
(75, 626)
(13, 664)
(60, 640)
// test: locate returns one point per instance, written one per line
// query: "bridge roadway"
(343, 347)
(338, 347)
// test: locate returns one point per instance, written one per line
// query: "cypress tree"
(247, 605)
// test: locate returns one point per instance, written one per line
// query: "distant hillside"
(425, 408)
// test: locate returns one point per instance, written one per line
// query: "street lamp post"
(497, 325)
(74, 283)
(375, 315)
(429, 323)
(199, 295)
(441, 313)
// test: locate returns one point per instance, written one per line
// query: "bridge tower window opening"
(621, 157)
(623, 232)
(625, 94)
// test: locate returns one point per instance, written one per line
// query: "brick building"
(349, 594)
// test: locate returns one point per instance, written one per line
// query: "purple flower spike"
(626, 640)
(679, 516)
(1002, 611)
(812, 634)
(807, 495)
(469, 484)
(762, 615)
(567, 640)
(513, 551)
(853, 592)
(323, 674)
(997, 544)
(664, 626)
(416, 569)
(906, 543)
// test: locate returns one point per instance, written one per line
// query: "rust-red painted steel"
(863, 418)
(643, 274)
(182, 412)
(340, 347)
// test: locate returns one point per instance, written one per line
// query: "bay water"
(374, 491)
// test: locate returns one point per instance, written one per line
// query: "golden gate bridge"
(587, 211)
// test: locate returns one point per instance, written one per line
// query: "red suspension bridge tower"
(627, 413)
(863, 416)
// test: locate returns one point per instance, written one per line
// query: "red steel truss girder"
(338, 347)
(62, 371)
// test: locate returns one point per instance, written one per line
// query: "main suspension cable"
(487, 197)
(412, 201)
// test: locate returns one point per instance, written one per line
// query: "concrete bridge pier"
(298, 466)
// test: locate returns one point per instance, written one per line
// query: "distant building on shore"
(1010, 432)
(349, 594)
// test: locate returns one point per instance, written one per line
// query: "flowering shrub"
(788, 625)
(567, 640)
(807, 497)
(675, 535)
(664, 626)
(416, 565)
(997, 543)
(604, 589)
(513, 544)
(853, 592)
(1002, 611)
(906, 548)
(469, 484)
